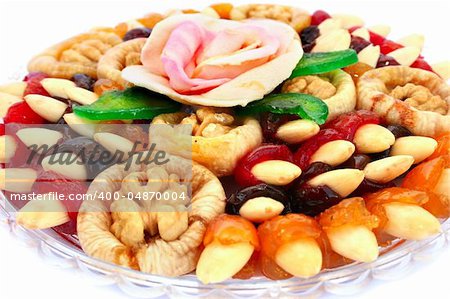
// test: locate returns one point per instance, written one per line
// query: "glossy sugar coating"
(357, 70)
(349, 211)
(231, 229)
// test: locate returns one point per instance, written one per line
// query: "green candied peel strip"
(303, 105)
(131, 103)
(318, 63)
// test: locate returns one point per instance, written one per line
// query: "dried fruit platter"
(218, 151)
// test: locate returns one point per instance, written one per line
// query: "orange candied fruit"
(121, 29)
(357, 70)
(376, 201)
(231, 229)
(282, 230)
(189, 11)
(443, 147)
(104, 85)
(349, 211)
(151, 19)
(223, 9)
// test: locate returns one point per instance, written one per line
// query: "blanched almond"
(443, 185)
(8, 147)
(6, 101)
(369, 55)
(82, 126)
(333, 41)
(442, 69)
(413, 40)
(406, 56)
(301, 258)
(329, 25)
(417, 146)
(66, 164)
(39, 137)
(362, 32)
(48, 108)
(410, 222)
(276, 172)
(81, 95)
(260, 209)
(42, 214)
(220, 262)
(18, 180)
(57, 87)
(342, 181)
(388, 169)
(382, 30)
(348, 21)
(115, 143)
(334, 152)
(297, 131)
(14, 88)
(372, 138)
(357, 243)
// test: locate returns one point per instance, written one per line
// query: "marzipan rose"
(195, 59)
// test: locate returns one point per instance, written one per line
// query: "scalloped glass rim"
(349, 279)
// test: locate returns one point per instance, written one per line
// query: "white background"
(27, 27)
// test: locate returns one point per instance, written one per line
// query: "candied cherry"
(358, 43)
(137, 33)
(84, 81)
(386, 60)
(311, 200)
(238, 199)
(34, 85)
(356, 161)
(279, 231)
(313, 170)
(420, 63)
(389, 46)
(376, 39)
(23, 114)
(357, 70)
(243, 172)
(399, 131)
(308, 37)
(443, 147)
(347, 124)
(367, 187)
(319, 16)
(103, 85)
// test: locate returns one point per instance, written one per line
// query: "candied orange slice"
(349, 211)
(443, 147)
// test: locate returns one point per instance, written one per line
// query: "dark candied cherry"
(84, 81)
(313, 170)
(319, 16)
(308, 47)
(376, 39)
(380, 155)
(422, 64)
(370, 187)
(386, 60)
(270, 122)
(23, 114)
(312, 201)
(356, 161)
(389, 46)
(399, 131)
(34, 85)
(137, 33)
(243, 172)
(303, 155)
(308, 37)
(90, 152)
(358, 43)
(347, 124)
(238, 199)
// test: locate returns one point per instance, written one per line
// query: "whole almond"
(47, 107)
(260, 209)
(334, 152)
(297, 131)
(388, 169)
(372, 138)
(369, 55)
(417, 146)
(406, 56)
(382, 30)
(14, 88)
(57, 87)
(342, 181)
(6, 101)
(333, 41)
(276, 172)
(81, 95)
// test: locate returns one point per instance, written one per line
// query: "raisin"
(137, 33)
(84, 81)
(358, 43)
(312, 201)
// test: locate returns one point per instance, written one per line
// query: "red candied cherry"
(243, 172)
(389, 46)
(376, 39)
(386, 60)
(22, 113)
(34, 85)
(348, 123)
(422, 64)
(319, 16)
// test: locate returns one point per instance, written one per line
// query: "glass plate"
(394, 262)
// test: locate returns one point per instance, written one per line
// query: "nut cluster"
(313, 85)
(421, 98)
